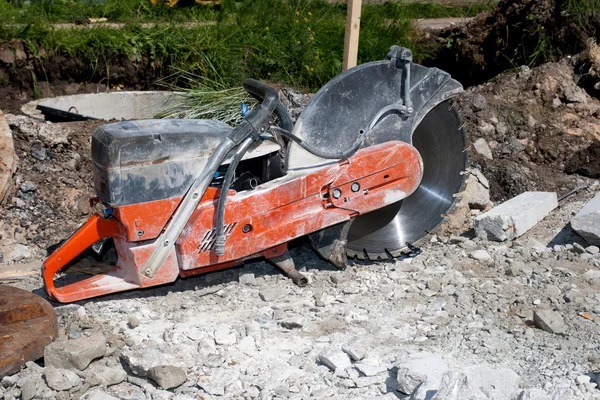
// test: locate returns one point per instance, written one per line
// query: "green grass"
(131, 11)
(296, 42)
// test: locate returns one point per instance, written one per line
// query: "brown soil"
(28, 76)
(523, 32)
(585, 162)
(540, 126)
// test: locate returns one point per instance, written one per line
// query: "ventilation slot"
(208, 240)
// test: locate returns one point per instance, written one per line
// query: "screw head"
(246, 228)
(147, 272)
(167, 242)
(355, 187)
(140, 232)
(337, 193)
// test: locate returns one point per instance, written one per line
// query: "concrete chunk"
(516, 216)
(587, 221)
(167, 376)
(76, 353)
(335, 359)
(549, 320)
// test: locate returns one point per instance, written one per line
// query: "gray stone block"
(587, 221)
(516, 216)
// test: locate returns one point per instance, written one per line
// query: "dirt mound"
(516, 32)
(531, 130)
(27, 73)
(52, 186)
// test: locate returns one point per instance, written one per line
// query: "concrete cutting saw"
(369, 168)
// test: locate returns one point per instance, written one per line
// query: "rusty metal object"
(285, 263)
(27, 325)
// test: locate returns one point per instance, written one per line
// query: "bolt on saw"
(370, 167)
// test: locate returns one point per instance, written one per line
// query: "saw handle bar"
(251, 127)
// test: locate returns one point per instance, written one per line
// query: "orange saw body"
(369, 168)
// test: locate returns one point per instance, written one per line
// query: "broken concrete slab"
(500, 383)
(75, 353)
(107, 106)
(516, 216)
(425, 367)
(407, 382)
(587, 221)
(335, 359)
(457, 386)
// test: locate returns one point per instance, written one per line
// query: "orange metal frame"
(258, 223)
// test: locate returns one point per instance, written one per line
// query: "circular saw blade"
(348, 104)
(384, 233)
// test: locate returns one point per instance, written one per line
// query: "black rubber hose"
(220, 234)
(336, 155)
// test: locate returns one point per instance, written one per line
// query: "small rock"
(587, 221)
(593, 250)
(61, 379)
(370, 370)
(407, 381)
(500, 383)
(247, 278)
(431, 367)
(479, 102)
(224, 337)
(8, 381)
(97, 394)
(96, 375)
(355, 350)
(28, 389)
(481, 147)
(272, 294)
(28, 187)
(19, 252)
(133, 322)
(351, 289)
(38, 151)
(291, 324)
(76, 353)
(480, 255)
(556, 102)
(436, 304)
(549, 320)
(167, 376)
(578, 249)
(583, 379)
(335, 359)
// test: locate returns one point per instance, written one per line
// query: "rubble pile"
(51, 187)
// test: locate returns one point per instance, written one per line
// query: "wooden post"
(351, 37)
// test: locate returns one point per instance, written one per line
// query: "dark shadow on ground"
(305, 258)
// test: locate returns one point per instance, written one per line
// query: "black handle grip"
(263, 93)
(254, 122)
